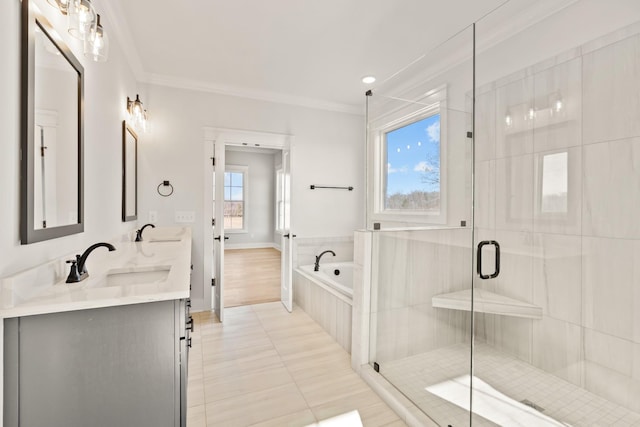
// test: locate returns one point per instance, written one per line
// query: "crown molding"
(519, 22)
(241, 92)
(119, 27)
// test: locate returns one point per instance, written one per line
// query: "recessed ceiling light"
(368, 79)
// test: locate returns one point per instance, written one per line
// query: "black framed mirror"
(51, 134)
(129, 173)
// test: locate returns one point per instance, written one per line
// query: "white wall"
(106, 88)
(260, 203)
(327, 149)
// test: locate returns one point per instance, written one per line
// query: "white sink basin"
(136, 276)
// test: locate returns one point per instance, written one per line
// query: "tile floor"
(267, 367)
(559, 399)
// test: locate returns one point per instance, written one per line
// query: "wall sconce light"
(556, 103)
(82, 17)
(96, 45)
(531, 114)
(62, 5)
(508, 120)
(137, 113)
(84, 24)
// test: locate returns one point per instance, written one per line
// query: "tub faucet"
(139, 232)
(78, 268)
(316, 266)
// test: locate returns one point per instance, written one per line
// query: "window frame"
(279, 202)
(245, 198)
(434, 103)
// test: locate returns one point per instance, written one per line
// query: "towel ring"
(165, 184)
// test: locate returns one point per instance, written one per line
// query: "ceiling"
(304, 52)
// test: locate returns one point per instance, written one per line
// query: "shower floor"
(564, 402)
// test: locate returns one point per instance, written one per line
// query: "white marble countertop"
(43, 289)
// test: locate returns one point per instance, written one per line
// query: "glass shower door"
(555, 186)
(420, 146)
(508, 295)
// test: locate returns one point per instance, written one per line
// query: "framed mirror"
(51, 135)
(129, 173)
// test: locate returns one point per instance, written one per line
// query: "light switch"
(153, 217)
(185, 216)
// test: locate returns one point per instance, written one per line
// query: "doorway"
(238, 232)
(252, 270)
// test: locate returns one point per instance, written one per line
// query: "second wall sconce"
(137, 113)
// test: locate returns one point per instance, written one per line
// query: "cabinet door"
(104, 367)
(10, 397)
(183, 326)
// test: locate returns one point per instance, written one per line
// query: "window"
(555, 183)
(279, 200)
(234, 198)
(407, 183)
(412, 173)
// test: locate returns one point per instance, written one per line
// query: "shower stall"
(501, 278)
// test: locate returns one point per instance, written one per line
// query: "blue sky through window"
(413, 157)
(233, 186)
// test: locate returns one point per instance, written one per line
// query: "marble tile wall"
(306, 249)
(330, 312)
(409, 268)
(557, 184)
(361, 314)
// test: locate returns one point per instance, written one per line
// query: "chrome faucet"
(78, 268)
(316, 266)
(139, 232)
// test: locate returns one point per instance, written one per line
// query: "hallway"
(267, 367)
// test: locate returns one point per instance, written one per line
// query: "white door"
(218, 229)
(286, 285)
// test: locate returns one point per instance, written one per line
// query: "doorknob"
(218, 238)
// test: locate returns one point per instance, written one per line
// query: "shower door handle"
(479, 259)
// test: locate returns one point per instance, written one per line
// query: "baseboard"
(251, 245)
(197, 304)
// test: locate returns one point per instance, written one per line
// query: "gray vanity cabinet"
(104, 367)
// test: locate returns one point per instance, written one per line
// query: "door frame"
(222, 137)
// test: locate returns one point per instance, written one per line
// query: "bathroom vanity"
(111, 350)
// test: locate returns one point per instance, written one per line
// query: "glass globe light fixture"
(62, 5)
(82, 18)
(96, 45)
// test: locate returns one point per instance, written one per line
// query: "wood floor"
(267, 367)
(251, 276)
